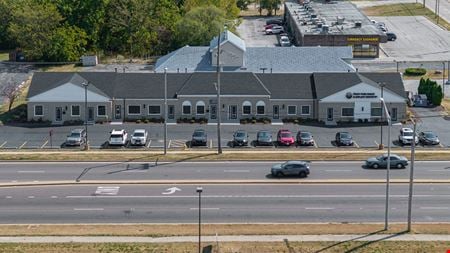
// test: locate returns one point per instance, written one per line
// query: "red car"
(285, 137)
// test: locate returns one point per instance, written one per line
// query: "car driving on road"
(397, 161)
(290, 168)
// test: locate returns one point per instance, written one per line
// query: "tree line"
(63, 30)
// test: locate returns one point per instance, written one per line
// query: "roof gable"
(68, 92)
(227, 37)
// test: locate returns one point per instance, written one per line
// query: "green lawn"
(4, 56)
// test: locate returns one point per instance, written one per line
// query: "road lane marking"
(376, 144)
(149, 142)
(9, 197)
(338, 170)
(31, 197)
(236, 171)
(88, 209)
(54, 197)
(434, 208)
(3, 144)
(205, 208)
(319, 208)
(107, 190)
(170, 142)
(45, 143)
(31, 171)
(21, 146)
(439, 170)
(356, 144)
(210, 144)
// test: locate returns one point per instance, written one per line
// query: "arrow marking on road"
(171, 190)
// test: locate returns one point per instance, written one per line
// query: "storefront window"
(347, 112)
(375, 112)
(292, 110)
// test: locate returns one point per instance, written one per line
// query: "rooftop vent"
(358, 24)
(340, 20)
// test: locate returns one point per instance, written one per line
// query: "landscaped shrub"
(415, 71)
(138, 121)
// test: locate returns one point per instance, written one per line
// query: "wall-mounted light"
(223, 105)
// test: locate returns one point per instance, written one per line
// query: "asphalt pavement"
(221, 204)
(20, 172)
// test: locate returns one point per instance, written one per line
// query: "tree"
(67, 44)
(166, 14)
(11, 91)
(200, 25)
(270, 6)
(5, 19)
(228, 6)
(243, 4)
(436, 95)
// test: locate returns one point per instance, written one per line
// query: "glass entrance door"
(330, 114)
(90, 114)
(213, 111)
(232, 112)
(171, 112)
(58, 114)
(276, 112)
(118, 112)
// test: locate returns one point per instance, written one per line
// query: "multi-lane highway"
(48, 171)
(220, 203)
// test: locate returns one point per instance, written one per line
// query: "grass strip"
(405, 9)
(162, 230)
(323, 155)
(234, 247)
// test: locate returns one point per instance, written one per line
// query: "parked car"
(240, 138)
(77, 137)
(199, 138)
(428, 138)
(264, 138)
(397, 161)
(275, 21)
(139, 137)
(275, 30)
(118, 137)
(406, 136)
(285, 138)
(284, 41)
(343, 139)
(391, 36)
(305, 139)
(291, 168)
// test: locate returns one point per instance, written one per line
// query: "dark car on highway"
(290, 168)
(343, 139)
(264, 138)
(199, 138)
(428, 138)
(240, 138)
(397, 161)
(304, 139)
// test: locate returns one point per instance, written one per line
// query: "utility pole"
(219, 107)
(199, 191)
(165, 111)
(86, 144)
(382, 84)
(411, 176)
(388, 167)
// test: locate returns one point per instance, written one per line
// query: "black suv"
(199, 138)
(343, 139)
(391, 36)
(240, 138)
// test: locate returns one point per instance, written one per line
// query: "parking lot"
(417, 39)
(179, 135)
(252, 32)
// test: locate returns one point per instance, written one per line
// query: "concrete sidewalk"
(236, 238)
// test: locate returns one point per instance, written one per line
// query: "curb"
(221, 182)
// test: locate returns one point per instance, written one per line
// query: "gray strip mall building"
(325, 97)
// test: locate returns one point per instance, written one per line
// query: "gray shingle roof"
(232, 83)
(230, 37)
(279, 59)
(288, 86)
(329, 83)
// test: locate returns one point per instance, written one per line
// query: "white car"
(406, 136)
(118, 137)
(284, 41)
(275, 30)
(139, 137)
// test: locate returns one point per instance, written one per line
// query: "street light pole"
(219, 144)
(165, 111)
(411, 176)
(382, 84)
(85, 84)
(199, 191)
(443, 79)
(388, 167)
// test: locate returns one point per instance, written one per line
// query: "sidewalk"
(237, 238)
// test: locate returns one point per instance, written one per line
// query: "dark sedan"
(397, 161)
(428, 138)
(199, 138)
(344, 139)
(305, 139)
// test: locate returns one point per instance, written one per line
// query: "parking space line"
(210, 144)
(376, 144)
(170, 142)
(3, 144)
(440, 145)
(45, 143)
(356, 144)
(149, 142)
(21, 146)
(315, 144)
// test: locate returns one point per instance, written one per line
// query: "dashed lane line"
(88, 209)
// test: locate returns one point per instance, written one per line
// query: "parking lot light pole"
(411, 175)
(199, 191)
(86, 144)
(388, 167)
(219, 144)
(165, 111)
(382, 84)
(443, 79)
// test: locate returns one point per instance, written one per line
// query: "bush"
(138, 121)
(253, 121)
(146, 121)
(415, 71)
(68, 122)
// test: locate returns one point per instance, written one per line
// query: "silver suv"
(77, 137)
(406, 136)
(291, 168)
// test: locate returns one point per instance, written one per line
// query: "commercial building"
(326, 97)
(333, 23)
